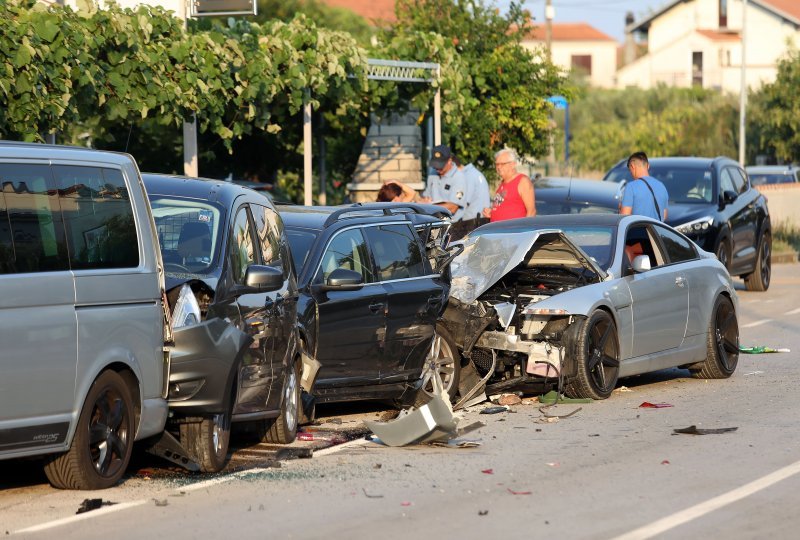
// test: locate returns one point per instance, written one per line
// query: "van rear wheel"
(103, 441)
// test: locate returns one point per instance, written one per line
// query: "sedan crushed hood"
(489, 257)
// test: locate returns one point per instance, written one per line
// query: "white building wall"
(603, 53)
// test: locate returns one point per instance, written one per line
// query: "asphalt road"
(612, 470)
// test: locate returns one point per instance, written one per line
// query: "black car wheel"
(101, 448)
(597, 358)
(724, 253)
(445, 359)
(207, 441)
(283, 429)
(722, 343)
(759, 279)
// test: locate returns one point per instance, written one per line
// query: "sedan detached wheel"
(722, 343)
(759, 279)
(101, 448)
(283, 429)
(597, 358)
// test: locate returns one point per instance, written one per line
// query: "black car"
(373, 281)
(233, 294)
(563, 195)
(712, 202)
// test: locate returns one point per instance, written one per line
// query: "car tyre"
(722, 343)
(101, 449)
(597, 358)
(447, 361)
(759, 279)
(283, 429)
(208, 441)
(724, 253)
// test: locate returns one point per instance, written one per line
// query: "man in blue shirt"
(644, 195)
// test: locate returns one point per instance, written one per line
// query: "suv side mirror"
(641, 263)
(728, 197)
(342, 279)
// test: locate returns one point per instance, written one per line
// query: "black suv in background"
(373, 281)
(712, 202)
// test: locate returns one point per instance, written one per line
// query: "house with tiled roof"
(699, 43)
(374, 11)
(578, 47)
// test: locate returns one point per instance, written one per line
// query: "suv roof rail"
(385, 209)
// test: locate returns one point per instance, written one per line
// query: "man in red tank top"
(514, 197)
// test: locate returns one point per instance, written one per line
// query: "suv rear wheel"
(283, 429)
(759, 279)
(101, 448)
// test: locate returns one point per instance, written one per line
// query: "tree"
(499, 87)
(775, 113)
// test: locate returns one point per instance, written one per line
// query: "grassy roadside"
(785, 238)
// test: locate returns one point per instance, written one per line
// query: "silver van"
(83, 367)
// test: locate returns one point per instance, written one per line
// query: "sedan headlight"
(698, 226)
(187, 310)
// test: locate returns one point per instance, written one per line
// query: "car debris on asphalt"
(694, 430)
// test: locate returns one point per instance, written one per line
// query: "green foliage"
(774, 114)
(608, 125)
(320, 14)
(493, 90)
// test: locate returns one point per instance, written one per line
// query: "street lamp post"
(743, 89)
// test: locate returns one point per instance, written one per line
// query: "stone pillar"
(392, 151)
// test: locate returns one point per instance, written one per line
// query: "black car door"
(351, 324)
(742, 218)
(415, 298)
(256, 318)
(283, 302)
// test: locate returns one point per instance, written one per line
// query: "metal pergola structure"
(377, 70)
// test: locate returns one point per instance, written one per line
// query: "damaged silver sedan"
(577, 301)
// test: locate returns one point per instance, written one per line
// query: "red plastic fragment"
(665, 462)
(303, 436)
(648, 405)
(518, 492)
(488, 471)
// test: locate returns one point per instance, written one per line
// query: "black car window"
(32, 235)
(739, 180)
(242, 246)
(678, 249)
(347, 250)
(396, 251)
(726, 181)
(189, 233)
(98, 216)
(300, 243)
(268, 230)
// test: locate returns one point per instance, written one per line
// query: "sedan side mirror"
(641, 263)
(342, 279)
(263, 278)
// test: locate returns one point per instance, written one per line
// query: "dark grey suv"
(712, 202)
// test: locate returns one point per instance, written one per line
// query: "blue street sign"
(560, 102)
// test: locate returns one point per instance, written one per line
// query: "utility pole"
(549, 14)
(190, 161)
(743, 90)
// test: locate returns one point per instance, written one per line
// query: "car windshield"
(596, 242)
(300, 242)
(189, 233)
(685, 184)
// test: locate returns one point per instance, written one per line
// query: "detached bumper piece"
(168, 447)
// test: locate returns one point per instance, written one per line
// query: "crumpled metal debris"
(92, 504)
(431, 422)
(694, 430)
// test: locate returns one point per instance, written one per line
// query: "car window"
(396, 251)
(242, 246)
(638, 241)
(300, 243)
(739, 180)
(347, 250)
(685, 183)
(678, 249)
(188, 232)
(32, 235)
(98, 216)
(726, 181)
(596, 242)
(268, 230)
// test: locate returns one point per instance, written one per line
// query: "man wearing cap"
(448, 187)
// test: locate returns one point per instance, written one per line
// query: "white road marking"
(343, 446)
(793, 312)
(80, 517)
(757, 323)
(679, 518)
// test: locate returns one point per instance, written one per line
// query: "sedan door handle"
(375, 308)
(680, 281)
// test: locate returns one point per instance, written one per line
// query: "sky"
(608, 16)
